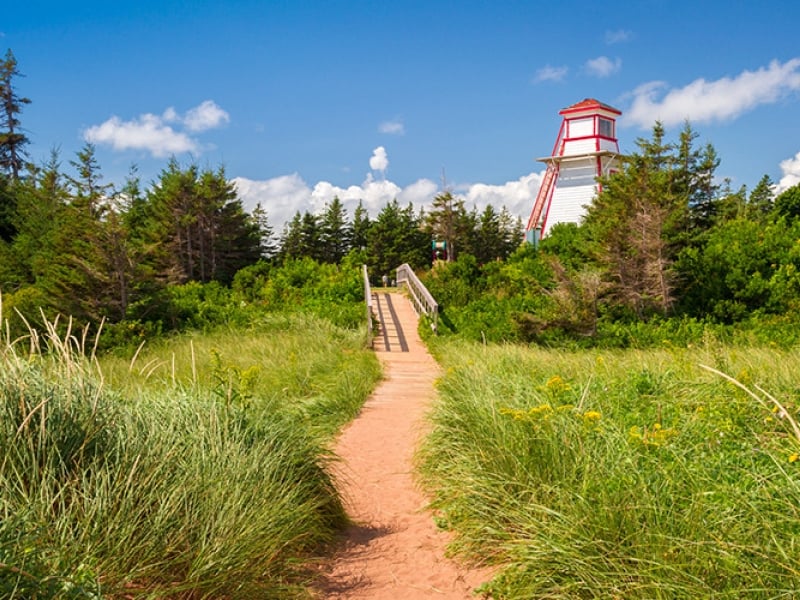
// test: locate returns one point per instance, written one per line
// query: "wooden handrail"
(368, 302)
(421, 298)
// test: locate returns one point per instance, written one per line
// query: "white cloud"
(379, 160)
(517, 196)
(155, 134)
(280, 196)
(148, 132)
(602, 66)
(618, 36)
(394, 127)
(284, 196)
(206, 116)
(704, 101)
(791, 173)
(548, 73)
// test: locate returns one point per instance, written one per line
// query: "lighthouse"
(585, 149)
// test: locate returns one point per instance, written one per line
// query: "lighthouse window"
(605, 128)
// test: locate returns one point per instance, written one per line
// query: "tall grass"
(621, 474)
(177, 473)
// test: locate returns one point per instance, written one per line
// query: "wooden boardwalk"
(393, 550)
(391, 336)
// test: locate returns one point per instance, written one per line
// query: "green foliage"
(198, 470)
(619, 474)
(787, 204)
(330, 291)
(742, 268)
(396, 237)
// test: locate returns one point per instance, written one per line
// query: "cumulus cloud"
(284, 196)
(517, 196)
(379, 160)
(602, 66)
(791, 173)
(617, 37)
(394, 127)
(147, 132)
(704, 101)
(548, 73)
(206, 116)
(159, 135)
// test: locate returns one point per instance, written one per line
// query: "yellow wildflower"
(592, 415)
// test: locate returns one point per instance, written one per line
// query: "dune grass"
(196, 469)
(644, 474)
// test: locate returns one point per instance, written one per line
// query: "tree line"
(73, 244)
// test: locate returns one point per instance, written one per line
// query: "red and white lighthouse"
(585, 149)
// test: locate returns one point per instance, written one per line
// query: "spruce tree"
(12, 140)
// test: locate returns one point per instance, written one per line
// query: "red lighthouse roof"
(589, 104)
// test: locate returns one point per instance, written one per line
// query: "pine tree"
(193, 227)
(641, 218)
(12, 140)
(335, 233)
(397, 237)
(762, 197)
(360, 227)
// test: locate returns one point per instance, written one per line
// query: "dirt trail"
(394, 551)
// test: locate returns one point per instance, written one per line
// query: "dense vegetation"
(620, 474)
(663, 253)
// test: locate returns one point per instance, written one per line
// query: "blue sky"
(301, 101)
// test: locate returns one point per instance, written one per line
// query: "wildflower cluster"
(653, 436)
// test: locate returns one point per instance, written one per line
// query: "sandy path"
(394, 550)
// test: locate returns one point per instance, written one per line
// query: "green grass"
(620, 474)
(195, 469)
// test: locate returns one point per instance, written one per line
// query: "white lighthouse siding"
(609, 145)
(576, 187)
(585, 146)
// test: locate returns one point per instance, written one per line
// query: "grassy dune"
(668, 474)
(195, 469)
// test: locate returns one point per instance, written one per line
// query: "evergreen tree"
(88, 191)
(42, 200)
(640, 219)
(396, 237)
(12, 140)
(762, 197)
(448, 221)
(267, 248)
(194, 228)
(12, 145)
(334, 232)
(291, 238)
(360, 227)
